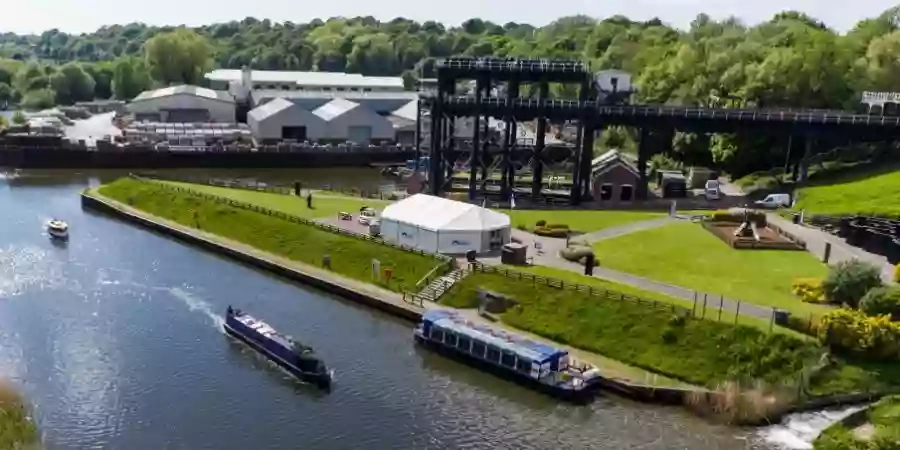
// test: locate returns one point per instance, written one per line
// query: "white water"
(798, 431)
(195, 303)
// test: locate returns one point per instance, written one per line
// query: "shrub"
(737, 216)
(808, 326)
(809, 290)
(550, 232)
(521, 227)
(881, 301)
(557, 226)
(540, 223)
(896, 276)
(848, 282)
(852, 331)
(578, 254)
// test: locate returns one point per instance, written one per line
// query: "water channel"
(115, 340)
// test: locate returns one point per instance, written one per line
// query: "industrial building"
(300, 81)
(184, 104)
(440, 225)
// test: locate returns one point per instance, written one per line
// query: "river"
(115, 339)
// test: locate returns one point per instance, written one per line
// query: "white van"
(773, 201)
(712, 191)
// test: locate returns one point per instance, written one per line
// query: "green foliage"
(72, 83)
(880, 301)
(3, 122)
(178, 57)
(853, 332)
(848, 281)
(697, 351)
(350, 257)
(19, 118)
(809, 290)
(130, 78)
(883, 417)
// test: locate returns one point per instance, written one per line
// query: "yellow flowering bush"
(852, 331)
(809, 290)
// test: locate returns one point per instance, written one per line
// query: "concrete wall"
(219, 111)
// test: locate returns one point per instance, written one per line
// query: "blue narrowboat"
(296, 358)
(537, 365)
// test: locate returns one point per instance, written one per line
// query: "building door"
(295, 133)
(626, 192)
(359, 134)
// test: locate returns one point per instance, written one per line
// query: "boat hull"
(320, 380)
(57, 234)
(580, 396)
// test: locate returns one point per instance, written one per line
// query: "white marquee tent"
(440, 225)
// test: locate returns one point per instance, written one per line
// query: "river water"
(116, 341)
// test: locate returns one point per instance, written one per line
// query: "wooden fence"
(295, 219)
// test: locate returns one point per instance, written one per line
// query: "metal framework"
(592, 111)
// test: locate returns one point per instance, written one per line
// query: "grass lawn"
(700, 352)
(881, 430)
(875, 195)
(578, 220)
(17, 431)
(325, 204)
(684, 254)
(712, 312)
(350, 257)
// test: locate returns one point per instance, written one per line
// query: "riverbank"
(393, 302)
(874, 428)
(17, 430)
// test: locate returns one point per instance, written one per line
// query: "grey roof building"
(296, 80)
(283, 119)
(184, 103)
(350, 121)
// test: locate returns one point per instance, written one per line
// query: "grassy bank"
(879, 430)
(686, 255)
(700, 352)
(325, 204)
(350, 257)
(17, 431)
(858, 194)
(579, 221)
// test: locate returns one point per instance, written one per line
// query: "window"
(508, 359)
(437, 334)
(478, 348)
(523, 365)
(450, 339)
(367, 89)
(493, 353)
(464, 343)
(606, 191)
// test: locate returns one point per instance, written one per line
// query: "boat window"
(493, 353)
(464, 343)
(437, 334)
(450, 338)
(509, 359)
(523, 365)
(478, 348)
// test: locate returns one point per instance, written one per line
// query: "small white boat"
(58, 229)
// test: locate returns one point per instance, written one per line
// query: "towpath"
(840, 250)
(549, 256)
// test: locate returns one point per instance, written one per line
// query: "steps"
(437, 287)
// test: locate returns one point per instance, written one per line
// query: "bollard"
(827, 255)
(326, 261)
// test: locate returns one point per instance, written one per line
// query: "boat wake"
(197, 304)
(798, 431)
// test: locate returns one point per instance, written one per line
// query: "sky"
(77, 16)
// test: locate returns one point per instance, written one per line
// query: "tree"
(178, 57)
(72, 84)
(882, 301)
(6, 93)
(130, 78)
(39, 99)
(19, 118)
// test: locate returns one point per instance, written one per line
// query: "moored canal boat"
(296, 358)
(58, 229)
(537, 365)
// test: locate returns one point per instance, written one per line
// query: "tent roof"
(441, 214)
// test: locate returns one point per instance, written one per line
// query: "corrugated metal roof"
(308, 78)
(334, 109)
(535, 351)
(352, 96)
(270, 109)
(185, 90)
(409, 111)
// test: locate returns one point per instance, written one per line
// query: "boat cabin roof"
(451, 321)
(263, 328)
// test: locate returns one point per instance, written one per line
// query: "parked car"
(367, 215)
(712, 190)
(774, 201)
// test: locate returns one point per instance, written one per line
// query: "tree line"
(792, 60)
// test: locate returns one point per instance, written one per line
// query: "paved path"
(622, 230)
(840, 251)
(549, 256)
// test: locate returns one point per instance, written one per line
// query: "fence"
(272, 189)
(292, 218)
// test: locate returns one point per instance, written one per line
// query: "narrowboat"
(58, 229)
(296, 358)
(537, 365)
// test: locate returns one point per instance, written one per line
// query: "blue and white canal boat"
(541, 366)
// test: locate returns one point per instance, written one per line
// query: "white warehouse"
(283, 119)
(184, 104)
(440, 225)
